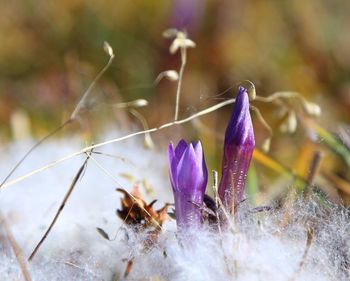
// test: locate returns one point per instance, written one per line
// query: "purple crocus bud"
(238, 149)
(188, 177)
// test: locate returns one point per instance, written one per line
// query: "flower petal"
(187, 170)
(191, 177)
(200, 158)
(240, 127)
(172, 164)
(180, 148)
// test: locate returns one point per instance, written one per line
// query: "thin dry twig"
(148, 140)
(218, 202)
(60, 209)
(82, 101)
(16, 249)
(310, 235)
(266, 126)
(314, 165)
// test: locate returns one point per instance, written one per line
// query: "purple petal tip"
(240, 128)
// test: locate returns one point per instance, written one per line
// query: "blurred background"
(51, 51)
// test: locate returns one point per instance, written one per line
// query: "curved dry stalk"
(262, 119)
(171, 75)
(82, 101)
(148, 140)
(312, 109)
(72, 118)
(267, 142)
(278, 95)
(86, 149)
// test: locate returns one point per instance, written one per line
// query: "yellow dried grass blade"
(270, 163)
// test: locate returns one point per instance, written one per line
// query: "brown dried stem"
(61, 207)
(315, 163)
(16, 249)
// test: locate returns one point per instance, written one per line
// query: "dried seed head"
(132, 104)
(172, 75)
(266, 145)
(148, 143)
(180, 40)
(181, 43)
(290, 123)
(139, 103)
(170, 33)
(108, 49)
(252, 93)
(311, 108)
(251, 90)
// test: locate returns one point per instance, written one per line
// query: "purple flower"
(186, 14)
(188, 177)
(238, 149)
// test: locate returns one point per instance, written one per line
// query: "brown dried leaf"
(135, 211)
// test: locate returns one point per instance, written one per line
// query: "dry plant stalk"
(148, 140)
(314, 165)
(310, 235)
(62, 205)
(16, 249)
(219, 204)
(179, 83)
(267, 142)
(182, 42)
